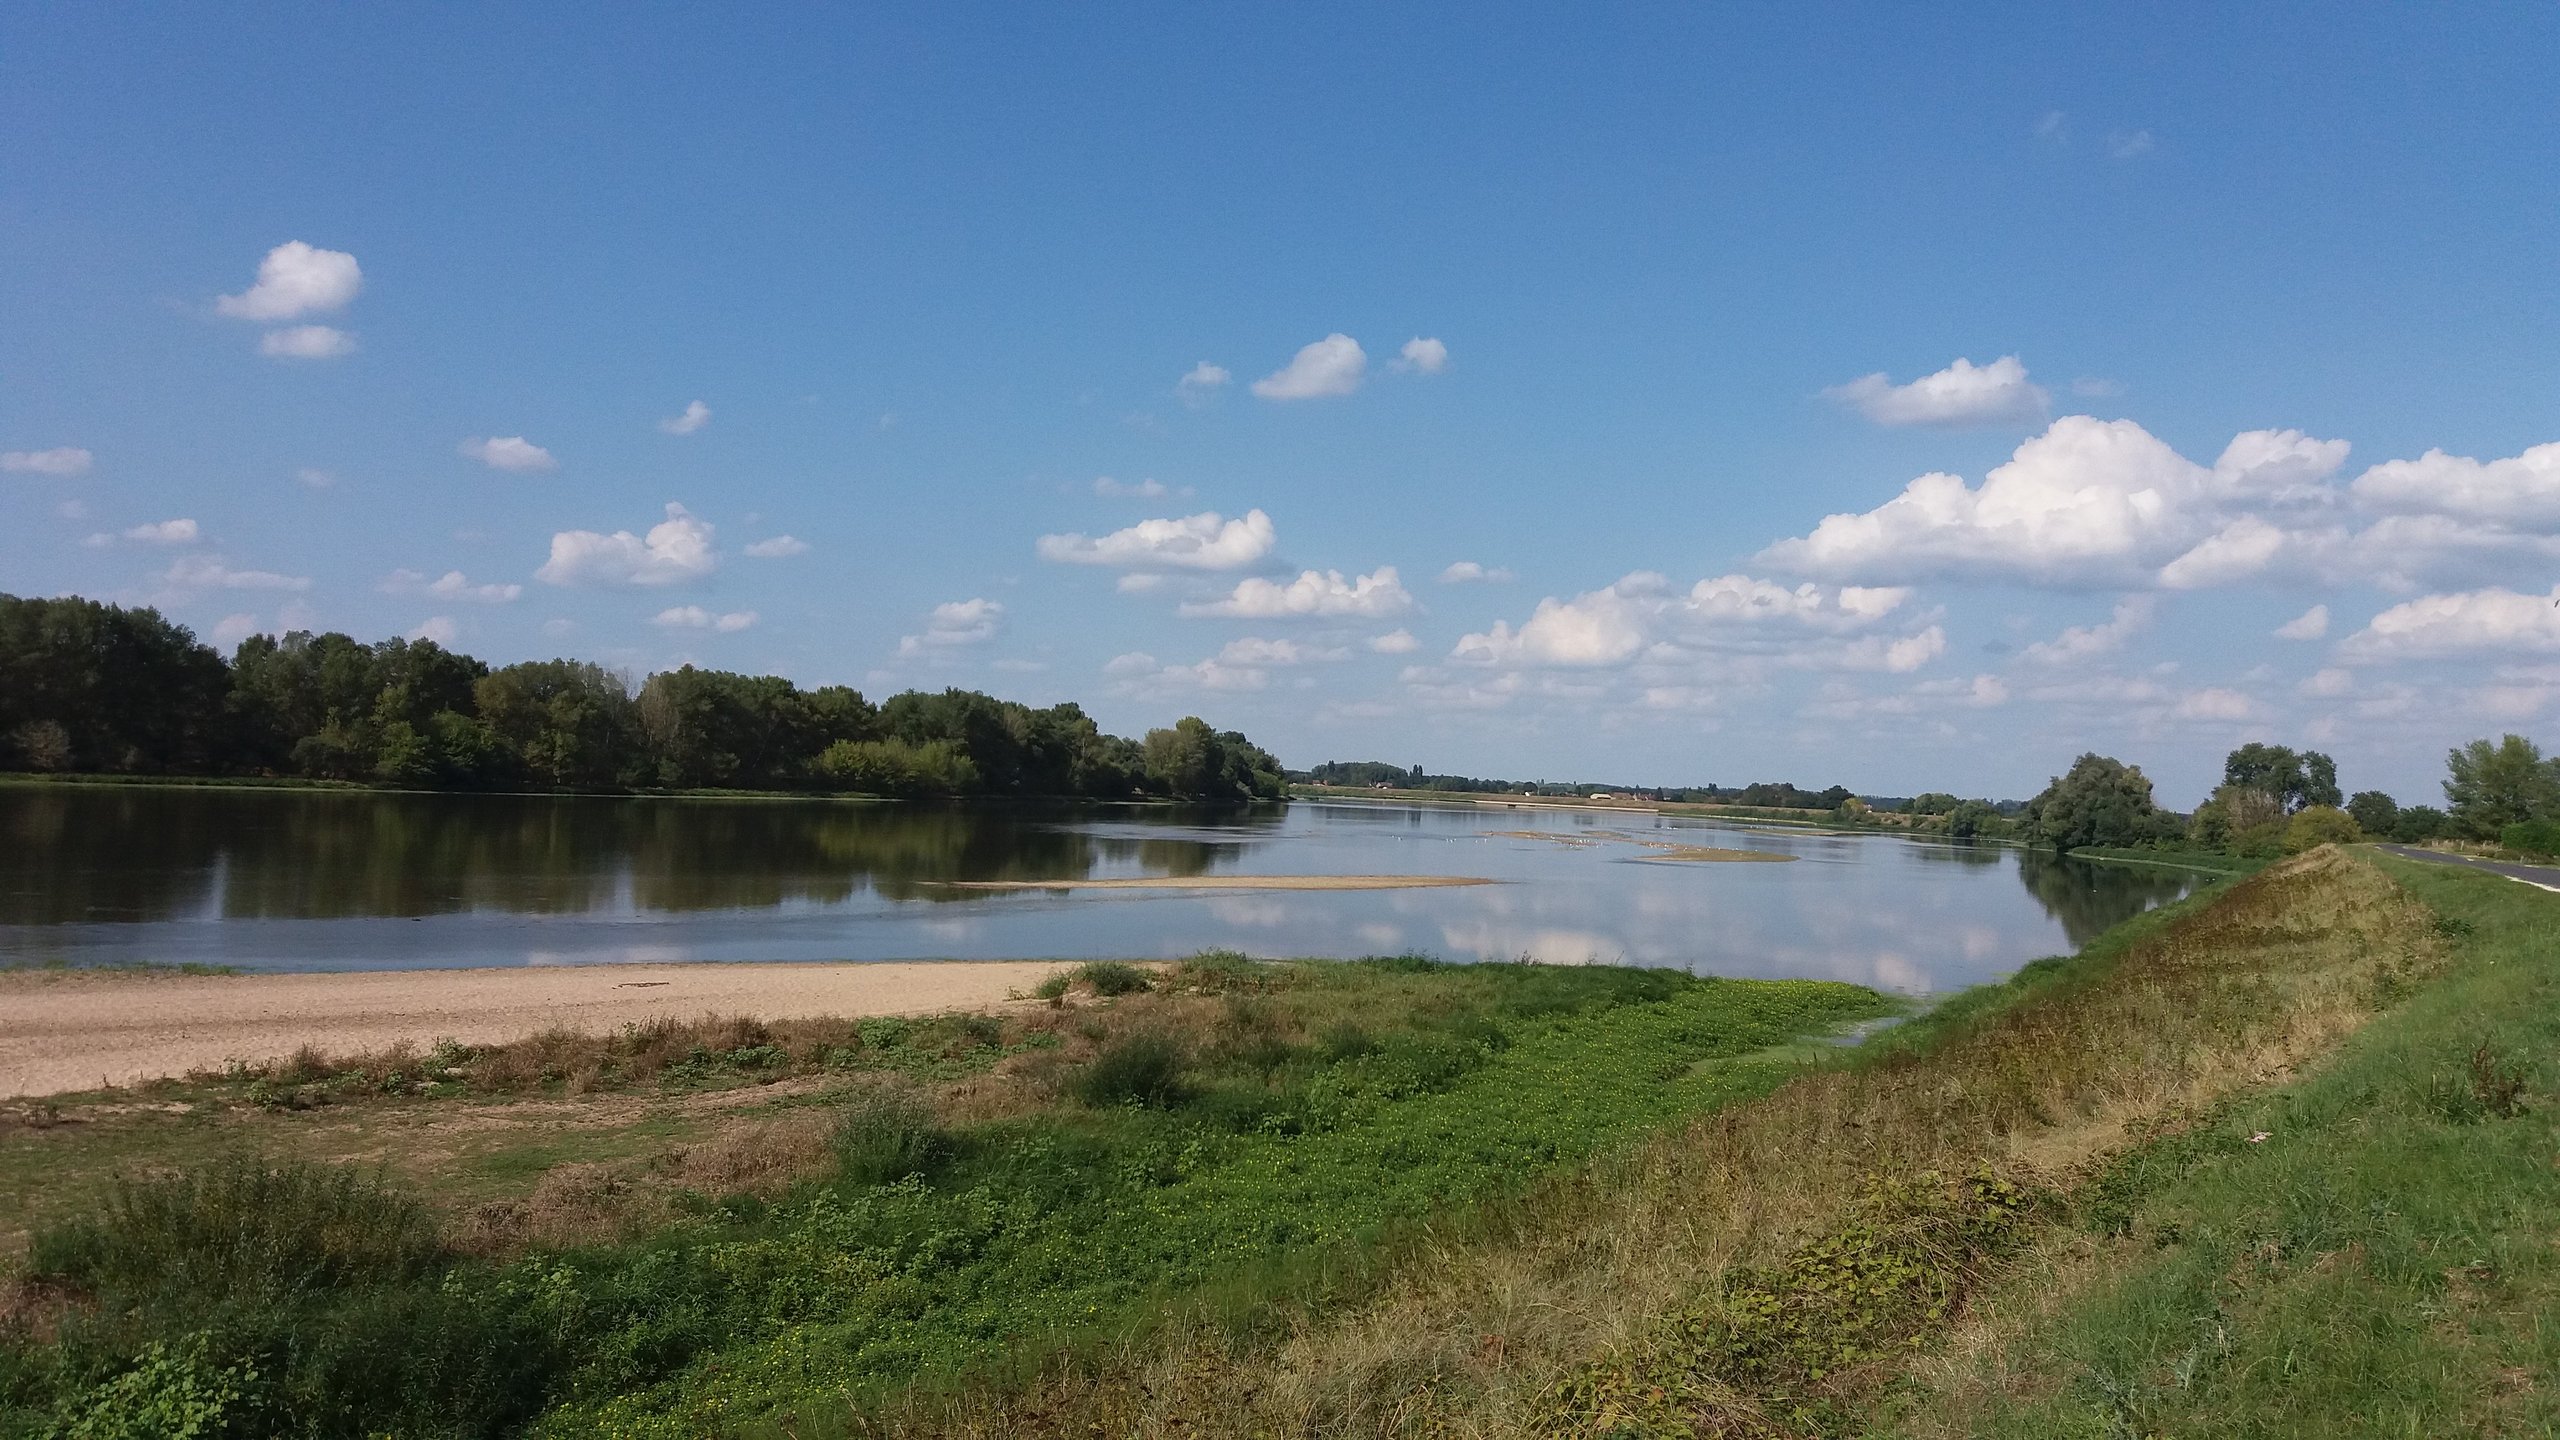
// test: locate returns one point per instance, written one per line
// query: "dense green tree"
(1970, 818)
(2374, 812)
(569, 722)
(2417, 824)
(2101, 801)
(2293, 780)
(85, 686)
(2490, 787)
(1192, 761)
(1934, 802)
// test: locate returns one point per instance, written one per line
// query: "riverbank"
(2195, 1179)
(63, 1031)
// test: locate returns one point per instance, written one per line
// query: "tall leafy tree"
(2293, 780)
(2100, 801)
(2490, 787)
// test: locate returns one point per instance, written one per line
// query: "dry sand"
(1230, 882)
(63, 1031)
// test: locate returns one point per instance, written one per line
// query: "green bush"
(1220, 971)
(885, 1133)
(1140, 1069)
(2532, 837)
(178, 1391)
(1113, 977)
(2320, 825)
(242, 1227)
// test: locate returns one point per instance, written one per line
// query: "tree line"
(2275, 800)
(1372, 774)
(96, 688)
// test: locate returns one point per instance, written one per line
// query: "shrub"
(1219, 971)
(1139, 1069)
(887, 1133)
(1113, 977)
(2320, 825)
(2532, 837)
(173, 1392)
(243, 1227)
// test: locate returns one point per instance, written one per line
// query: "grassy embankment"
(940, 1202)
(2280, 1162)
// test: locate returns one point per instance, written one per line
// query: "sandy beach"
(63, 1031)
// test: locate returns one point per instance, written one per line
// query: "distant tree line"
(1373, 774)
(2275, 800)
(88, 687)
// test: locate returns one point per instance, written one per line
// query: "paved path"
(2546, 876)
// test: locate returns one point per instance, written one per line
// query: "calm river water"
(300, 880)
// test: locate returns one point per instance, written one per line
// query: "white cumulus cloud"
(306, 342)
(508, 452)
(440, 629)
(1423, 356)
(1468, 572)
(2474, 622)
(1645, 614)
(694, 617)
(677, 548)
(232, 629)
(1395, 642)
(1207, 541)
(1962, 394)
(2311, 624)
(61, 462)
(2088, 503)
(1314, 594)
(1333, 365)
(294, 280)
(694, 417)
(2522, 491)
(956, 622)
(777, 548)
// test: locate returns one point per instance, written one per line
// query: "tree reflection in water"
(69, 855)
(2089, 897)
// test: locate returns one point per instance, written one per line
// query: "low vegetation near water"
(2276, 1161)
(1207, 1139)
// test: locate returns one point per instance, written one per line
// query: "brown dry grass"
(1472, 1339)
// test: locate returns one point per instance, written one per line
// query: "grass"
(2365, 1252)
(1670, 1289)
(1256, 1133)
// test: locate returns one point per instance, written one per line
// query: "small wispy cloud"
(695, 416)
(509, 452)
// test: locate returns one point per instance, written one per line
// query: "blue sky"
(932, 274)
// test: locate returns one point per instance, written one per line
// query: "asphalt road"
(2546, 876)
